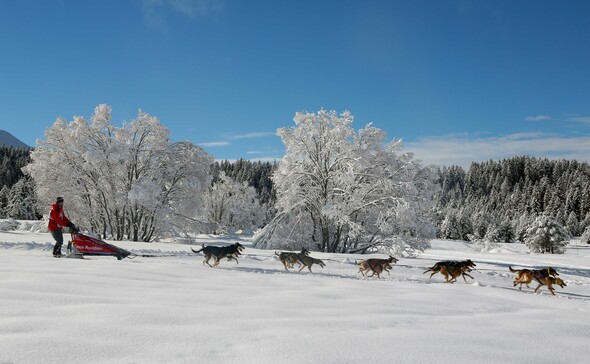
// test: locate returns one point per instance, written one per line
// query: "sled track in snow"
(494, 270)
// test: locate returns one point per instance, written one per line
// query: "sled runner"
(86, 245)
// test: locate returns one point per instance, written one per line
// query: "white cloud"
(452, 150)
(252, 135)
(214, 144)
(537, 118)
(581, 119)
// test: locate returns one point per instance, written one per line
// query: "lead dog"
(549, 282)
(231, 252)
(376, 265)
(545, 277)
(549, 271)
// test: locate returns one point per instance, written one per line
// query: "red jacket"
(57, 218)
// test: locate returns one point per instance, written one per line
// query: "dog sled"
(82, 245)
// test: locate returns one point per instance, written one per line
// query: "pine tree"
(22, 203)
(573, 224)
(502, 233)
(4, 196)
(450, 228)
(546, 235)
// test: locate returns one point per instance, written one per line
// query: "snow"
(174, 309)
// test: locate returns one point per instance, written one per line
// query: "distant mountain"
(10, 140)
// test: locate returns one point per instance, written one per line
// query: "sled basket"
(87, 245)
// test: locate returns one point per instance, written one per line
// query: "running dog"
(549, 271)
(546, 276)
(376, 265)
(231, 252)
(290, 258)
(549, 282)
(380, 269)
(453, 269)
(308, 261)
(454, 272)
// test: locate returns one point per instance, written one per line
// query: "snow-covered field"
(173, 309)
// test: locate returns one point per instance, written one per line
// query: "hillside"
(10, 140)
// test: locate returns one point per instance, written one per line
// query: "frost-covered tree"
(502, 233)
(12, 159)
(573, 224)
(465, 224)
(22, 203)
(450, 227)
(230, 206)
(586, 236)
(481, 222)
(344, 191)
(514, 187)
(546, 235)
(128, 181)
(256, 174)
(4, 196)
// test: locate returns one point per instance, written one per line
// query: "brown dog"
(454, 272)
(545, 277)
(453, 269)
(380, 269)
(290, 258)
(231, 252)
(549, 271)
(376, 265)
(549, 282)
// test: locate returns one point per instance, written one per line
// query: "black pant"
(58, 236)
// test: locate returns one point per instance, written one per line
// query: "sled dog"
(380, 269)
(453, 269)
(290, 258)
(231, 252)
(549, 271)
(545, 277)
(376, 265)
(308, 261)
(454, 272)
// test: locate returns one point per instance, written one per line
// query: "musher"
(57, 220)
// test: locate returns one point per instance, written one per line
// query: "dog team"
(450, 269)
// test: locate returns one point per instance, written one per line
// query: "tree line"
(17, 191)
(494, 200)
(498, 200)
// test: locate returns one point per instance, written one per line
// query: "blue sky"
(458, 81)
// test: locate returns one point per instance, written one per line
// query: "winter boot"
(57, 251)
